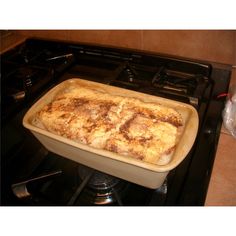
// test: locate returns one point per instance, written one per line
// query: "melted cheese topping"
(127, 126)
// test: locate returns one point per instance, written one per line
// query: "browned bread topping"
(127, 126)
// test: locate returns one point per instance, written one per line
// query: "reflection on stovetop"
(69, 188)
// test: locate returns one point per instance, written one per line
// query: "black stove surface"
(32, 68)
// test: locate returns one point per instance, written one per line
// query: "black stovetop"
(35, 66)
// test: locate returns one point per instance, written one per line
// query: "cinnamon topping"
(125, 126)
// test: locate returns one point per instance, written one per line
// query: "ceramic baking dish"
(130, 169)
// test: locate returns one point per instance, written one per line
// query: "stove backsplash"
(211, 45)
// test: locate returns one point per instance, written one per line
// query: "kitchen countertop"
(222, 187)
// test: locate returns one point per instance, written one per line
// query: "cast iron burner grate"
(97, 188)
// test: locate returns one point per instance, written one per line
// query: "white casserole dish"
(130, 169)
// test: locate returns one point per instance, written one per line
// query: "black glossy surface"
(23, 157)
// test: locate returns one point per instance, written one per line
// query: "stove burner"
(21, 84)
(176, 81)
(24, 55)
(99, 180)
(101, 188)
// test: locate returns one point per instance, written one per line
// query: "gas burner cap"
(102, 188)
(99, 180)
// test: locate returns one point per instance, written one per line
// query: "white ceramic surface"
(130, 169)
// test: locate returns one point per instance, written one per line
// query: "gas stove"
(31, 175)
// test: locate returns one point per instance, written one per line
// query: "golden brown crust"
(127, 126)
